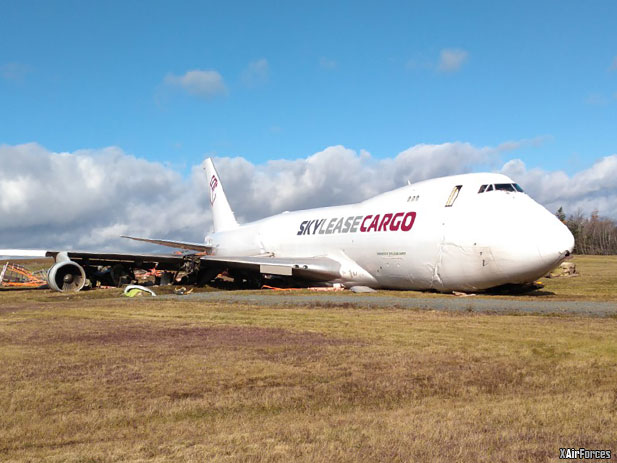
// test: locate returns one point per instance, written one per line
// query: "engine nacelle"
(66, 276)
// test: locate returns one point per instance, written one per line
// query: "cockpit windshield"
(504, 187)
(510, 187)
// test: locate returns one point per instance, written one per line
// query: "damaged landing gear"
(117, 275)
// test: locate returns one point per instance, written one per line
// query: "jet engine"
(66, 276)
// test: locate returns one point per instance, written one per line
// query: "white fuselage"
(410, 239)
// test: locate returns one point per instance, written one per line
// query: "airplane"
(467, 232)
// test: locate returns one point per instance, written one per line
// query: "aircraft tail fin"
(222, 215)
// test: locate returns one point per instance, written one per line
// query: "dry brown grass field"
(94, 377)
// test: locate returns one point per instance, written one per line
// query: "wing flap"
(173, 244)
(275, 269)
(312, 268)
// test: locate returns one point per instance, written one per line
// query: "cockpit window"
(504, 187)
(511, 187)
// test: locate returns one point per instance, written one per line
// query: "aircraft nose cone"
(556, 241)
(527, 243)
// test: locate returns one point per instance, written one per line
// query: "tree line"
(593, 234)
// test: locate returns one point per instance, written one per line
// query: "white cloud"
(207, 84)
(257, 73)
(452, 59)
(86, 199)
(589, 189)
(614, 64)
(339, 175)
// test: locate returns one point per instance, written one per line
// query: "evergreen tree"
(561, 215)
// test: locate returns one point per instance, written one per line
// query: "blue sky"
(288, 79)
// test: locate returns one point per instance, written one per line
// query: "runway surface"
(445, 303)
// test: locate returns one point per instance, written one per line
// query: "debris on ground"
(182, 291)
(143, 275)
(461, 294)
(16, 276)
(275, 288)
(137, 290)
(335, 287)
(362, 289)
(568, 269)
(565, 269)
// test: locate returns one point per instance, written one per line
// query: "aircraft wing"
(173, 244)
(311, 268)
(306, 268)
(101, 258)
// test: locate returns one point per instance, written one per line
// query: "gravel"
(445, 303)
